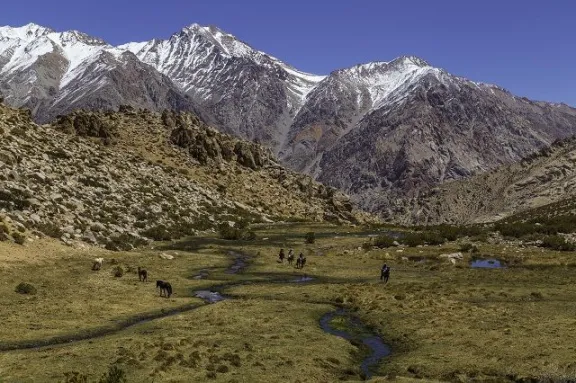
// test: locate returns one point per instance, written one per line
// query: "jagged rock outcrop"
(54, 73)
(131, 183)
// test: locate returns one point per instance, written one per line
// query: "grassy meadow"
(443, 321)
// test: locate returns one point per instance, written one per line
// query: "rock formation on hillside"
(120, 179)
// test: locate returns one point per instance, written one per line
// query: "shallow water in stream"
(378, 349)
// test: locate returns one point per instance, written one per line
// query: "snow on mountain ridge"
(26, 32)
(197, 47)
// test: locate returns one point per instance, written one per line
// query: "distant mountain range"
(384, 132)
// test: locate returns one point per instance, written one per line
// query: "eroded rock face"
(542, 184)
(441, 132)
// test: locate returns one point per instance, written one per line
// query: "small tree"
(114, 375)
(310, 237)
(25, 288)
(75, 377)
(118, 272)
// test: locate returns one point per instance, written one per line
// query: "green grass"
(444, 322)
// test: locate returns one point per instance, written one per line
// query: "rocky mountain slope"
(383, 132)
(543, 182)
(235, 87)
(54, 73)
(444, 128)
(119, 179)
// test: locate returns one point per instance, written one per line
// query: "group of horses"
(300, 261)
(165, 287)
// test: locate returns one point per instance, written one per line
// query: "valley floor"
(443, 322)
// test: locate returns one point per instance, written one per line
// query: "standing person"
(385, 273)
(281, 256)
(291, 253)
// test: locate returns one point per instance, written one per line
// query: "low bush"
(384, 241)
(19, 238)
(424, 238)
(556, 242)
(25, 288)
(468, 247)
(118, 271)
(75, 377)
(235, 233)
(50, 229)
(114, 375)
(310, 237)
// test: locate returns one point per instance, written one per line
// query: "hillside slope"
(545, 180)
(120, 178)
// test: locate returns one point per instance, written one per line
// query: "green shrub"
(25, 288)
(19, 238)
(114, 375)
(249, 236)
(228, 232)
(424, 238)
(235, 234)
(118, 271)
(557, 242)
(310, 237)
(75, 377)
(124, 242)
(158, 233)
(367, 246)
(383, 241)
(50, 229)
(468, 247)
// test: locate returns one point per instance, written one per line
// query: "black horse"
(142, 274)
(165, 288)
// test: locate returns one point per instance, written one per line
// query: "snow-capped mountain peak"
(72, 37)
(226, 42)
(27, 32)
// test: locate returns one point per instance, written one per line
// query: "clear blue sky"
(526, 46)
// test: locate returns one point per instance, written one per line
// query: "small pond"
(487, 264)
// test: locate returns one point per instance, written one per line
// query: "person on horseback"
(301, 261)
(385, 273)
(290, 259)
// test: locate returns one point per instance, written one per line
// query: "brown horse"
(142, 275)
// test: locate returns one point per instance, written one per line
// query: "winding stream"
(212, 295)
(358, 332)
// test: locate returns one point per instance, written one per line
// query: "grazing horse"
(97, 264)
(142, 275)
(165, 288)
(290, 259)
